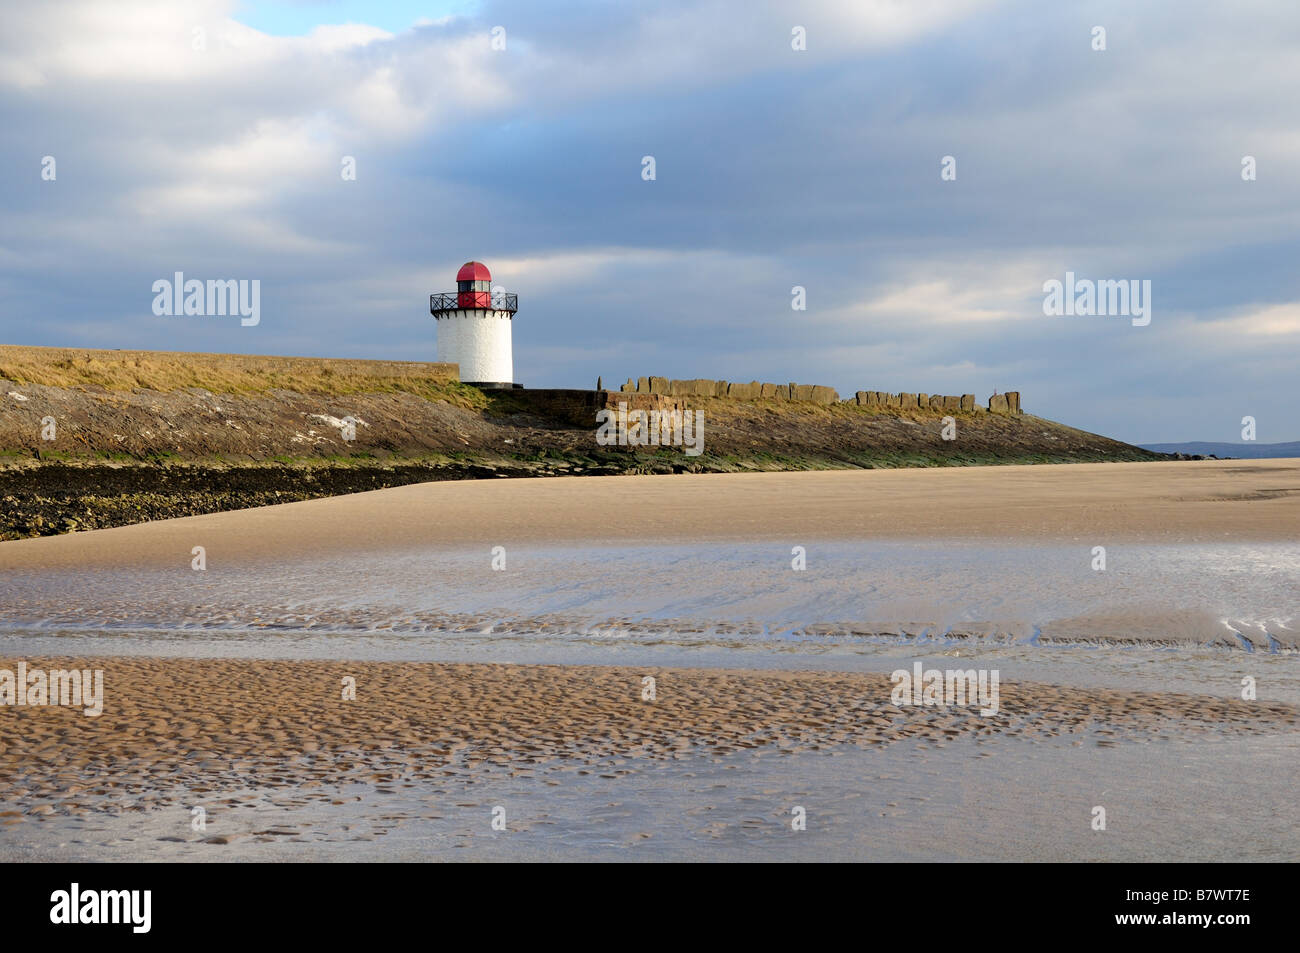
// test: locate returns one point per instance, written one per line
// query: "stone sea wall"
(1008, 403)
(735, 390)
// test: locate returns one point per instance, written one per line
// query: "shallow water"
(1177, 617)
(1000, 799)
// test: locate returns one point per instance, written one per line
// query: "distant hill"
(1244, 451)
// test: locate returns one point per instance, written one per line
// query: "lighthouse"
(474, 328)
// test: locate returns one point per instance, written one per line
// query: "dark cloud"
(775, 168)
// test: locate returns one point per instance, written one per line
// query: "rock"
(998, 404)
(698, 387)
(813, 393)
(968, 402)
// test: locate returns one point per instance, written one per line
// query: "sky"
(211, 137)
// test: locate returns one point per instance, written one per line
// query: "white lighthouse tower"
(474, 328)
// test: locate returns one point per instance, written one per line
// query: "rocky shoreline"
(52, 497)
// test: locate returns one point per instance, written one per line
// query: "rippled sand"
(185, 731)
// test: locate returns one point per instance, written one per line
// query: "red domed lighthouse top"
(473, 271)
(473, 293)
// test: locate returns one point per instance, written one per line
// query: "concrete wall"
(580, 406)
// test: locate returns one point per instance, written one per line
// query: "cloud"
(219, 153)
(1279, 320)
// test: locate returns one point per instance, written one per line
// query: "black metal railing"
(461, 300)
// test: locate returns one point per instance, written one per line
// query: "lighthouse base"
(493, 385)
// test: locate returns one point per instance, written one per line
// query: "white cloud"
(1278, 320)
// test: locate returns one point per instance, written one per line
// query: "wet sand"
(1255, 500)
(204, 728)
(985, 799)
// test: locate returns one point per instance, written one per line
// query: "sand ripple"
(174, 727)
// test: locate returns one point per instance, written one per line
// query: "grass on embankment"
(165, 372)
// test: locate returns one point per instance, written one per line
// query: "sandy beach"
(1160, 502)
(223, 689)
